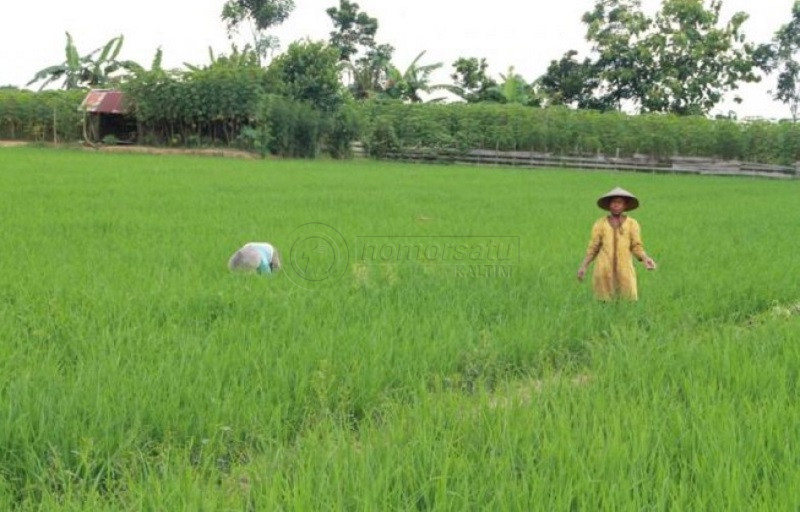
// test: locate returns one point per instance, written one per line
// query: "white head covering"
(246, 258)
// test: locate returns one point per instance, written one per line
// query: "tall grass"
(137, 373)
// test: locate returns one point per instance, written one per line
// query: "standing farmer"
(615, 238)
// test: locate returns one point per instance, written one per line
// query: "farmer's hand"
(581, 272)
(649, 264)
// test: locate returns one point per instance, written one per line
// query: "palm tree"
(91, 70)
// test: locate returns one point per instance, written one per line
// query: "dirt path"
(223, 152)
(229, 153)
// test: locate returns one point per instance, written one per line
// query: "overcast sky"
(526, 34)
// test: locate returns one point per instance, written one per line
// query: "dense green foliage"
(228, 106)
(682, 60)
(138, 374)
(391, 126)
(309, 72)
(25, 115)
(292, 108)
(203, 106)
(572, 83)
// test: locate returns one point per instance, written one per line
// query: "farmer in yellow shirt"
(616, 238)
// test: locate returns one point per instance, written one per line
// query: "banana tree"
(514, 89)
(92, 70)
(408, 84)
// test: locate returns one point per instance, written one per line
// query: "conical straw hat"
(605, 200)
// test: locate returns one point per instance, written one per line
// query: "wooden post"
(514, 158)
(55, 127)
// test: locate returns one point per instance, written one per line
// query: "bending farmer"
(260, 257)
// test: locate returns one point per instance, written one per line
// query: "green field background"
(137, 373)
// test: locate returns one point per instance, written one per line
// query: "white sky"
(524, 34)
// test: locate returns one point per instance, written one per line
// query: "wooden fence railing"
(640, 163)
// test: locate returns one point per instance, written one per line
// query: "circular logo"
(318, 254)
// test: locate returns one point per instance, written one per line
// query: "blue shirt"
(265, 267)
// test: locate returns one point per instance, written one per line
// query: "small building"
(106, 118)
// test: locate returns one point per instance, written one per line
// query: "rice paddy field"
(137, 373)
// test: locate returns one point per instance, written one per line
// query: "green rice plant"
(137, 373)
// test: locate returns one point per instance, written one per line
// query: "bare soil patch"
(219, 152)
(229, 153)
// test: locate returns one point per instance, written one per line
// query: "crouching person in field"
(258, 257)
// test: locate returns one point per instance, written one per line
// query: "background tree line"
(316, 95)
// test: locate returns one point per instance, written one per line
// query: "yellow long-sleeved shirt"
(613, 248)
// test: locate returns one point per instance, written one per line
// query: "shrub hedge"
(35, 116)
(234, 108)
